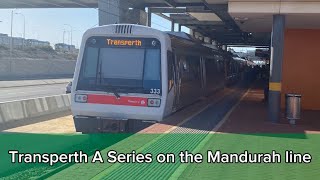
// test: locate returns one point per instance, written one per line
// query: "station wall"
(301, 66)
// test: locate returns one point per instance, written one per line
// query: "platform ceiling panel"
(205, 16)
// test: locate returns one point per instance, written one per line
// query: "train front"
(118, 78)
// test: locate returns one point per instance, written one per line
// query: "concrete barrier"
(39, 82)
(16, 68)
(18, 113)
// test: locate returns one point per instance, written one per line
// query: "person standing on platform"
(266, 75)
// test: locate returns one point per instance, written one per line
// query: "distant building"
(20, 42)
(4, 40)
(65, 47)
(36, 43)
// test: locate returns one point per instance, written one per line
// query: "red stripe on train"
(123, 100)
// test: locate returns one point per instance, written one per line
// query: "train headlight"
(154, 102)
(93, 41)
(154, 43)
(80, 98)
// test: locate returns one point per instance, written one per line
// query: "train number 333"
(155, 91)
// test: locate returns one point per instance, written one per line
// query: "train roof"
(179, 40)
(182, 35)
(184, 38)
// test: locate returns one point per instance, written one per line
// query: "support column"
(192, 32)
(149, 17)
(179, 29)
(214, 42)
(120, 11)
(277, 46)
(172, 26)
(224, 47)
(207, 40)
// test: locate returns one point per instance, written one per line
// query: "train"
(130, 72)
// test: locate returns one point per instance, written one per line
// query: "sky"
(48, 24)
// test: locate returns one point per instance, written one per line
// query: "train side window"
(194, 68)
(220, 64)
(170, 70)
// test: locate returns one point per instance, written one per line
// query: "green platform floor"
(201, 143)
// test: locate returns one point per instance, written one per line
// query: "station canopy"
(210, 18)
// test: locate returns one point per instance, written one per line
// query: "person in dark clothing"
(246, 76)
(266, 92)
(265, 78)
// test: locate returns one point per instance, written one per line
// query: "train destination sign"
(122, 42)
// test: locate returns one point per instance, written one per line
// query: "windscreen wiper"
(116, 94)
(114, 91)
(99, 75)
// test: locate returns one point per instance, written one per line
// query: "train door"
(170, 82)
(177, 81)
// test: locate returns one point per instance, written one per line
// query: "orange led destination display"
(118, 42)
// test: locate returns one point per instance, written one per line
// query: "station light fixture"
(241, 18)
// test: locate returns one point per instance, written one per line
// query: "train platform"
(247, 128)
(232, 121)
(251, 117)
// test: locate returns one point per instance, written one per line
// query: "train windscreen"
(127, 65)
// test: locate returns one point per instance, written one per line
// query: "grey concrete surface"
(27, 92)
(118, 12)
(17, 113)
(33, 68)
(21, 83)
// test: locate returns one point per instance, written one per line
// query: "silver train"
(131, 72)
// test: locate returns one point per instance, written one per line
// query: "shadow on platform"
(251, 117)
